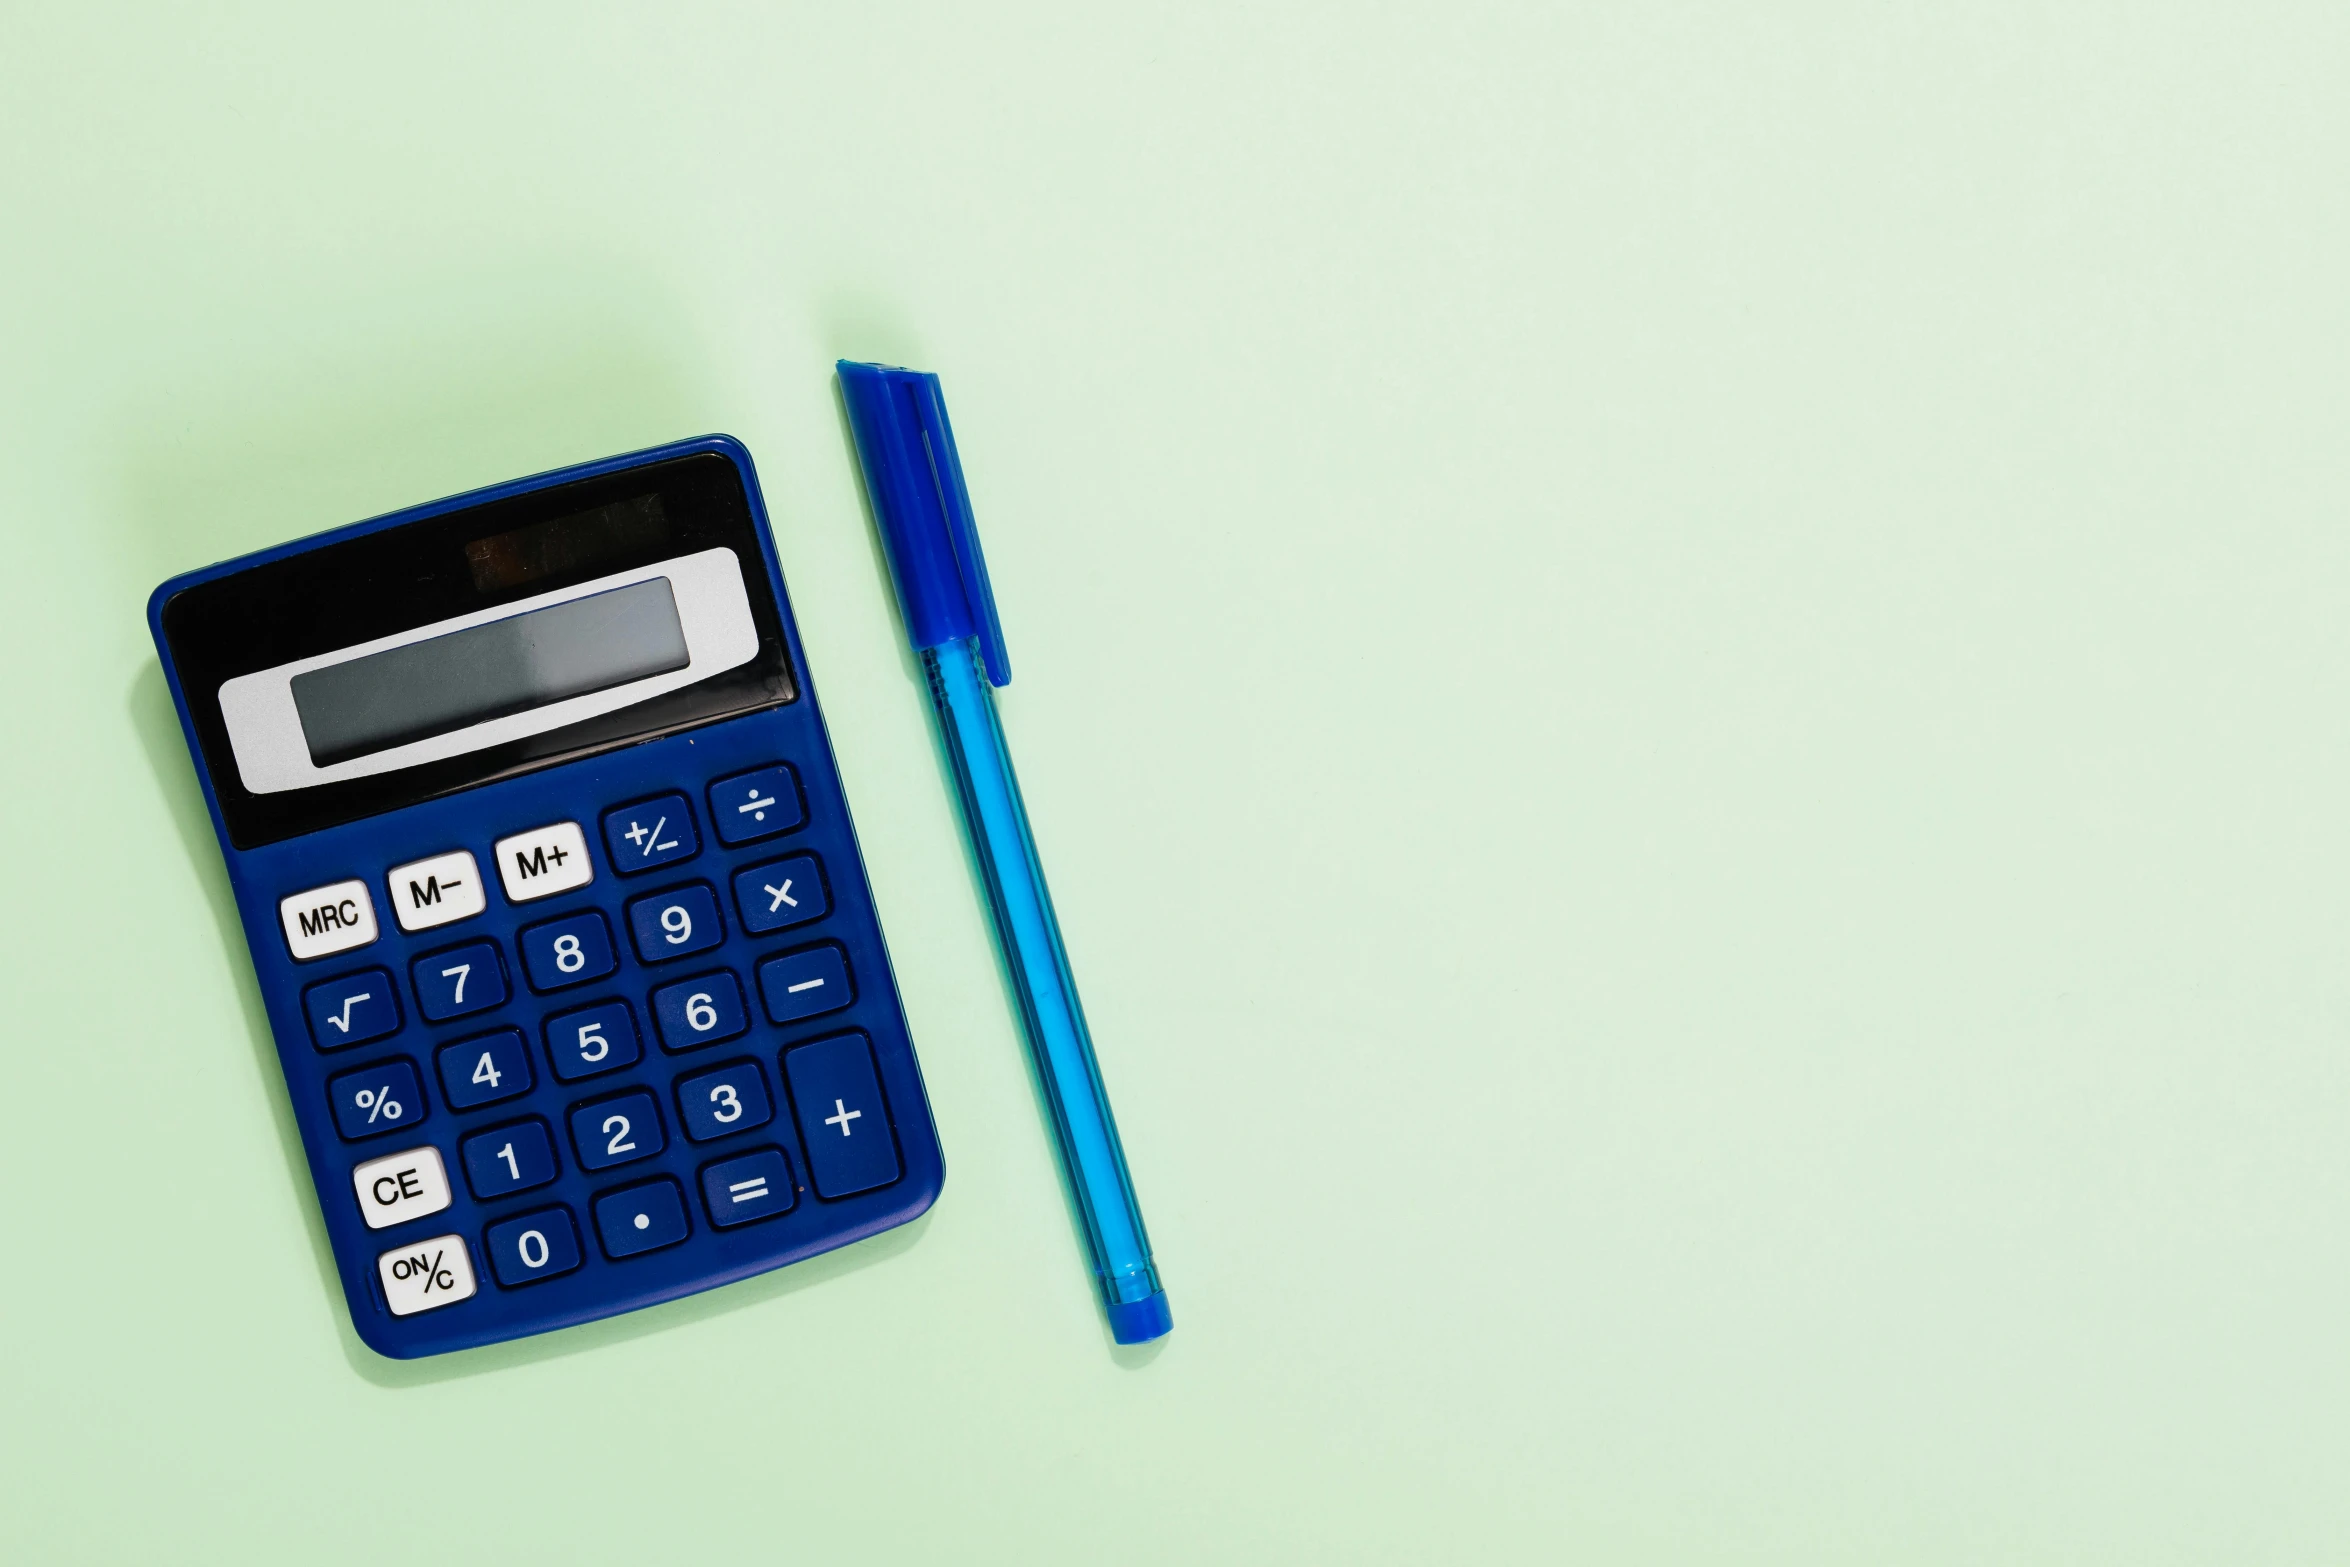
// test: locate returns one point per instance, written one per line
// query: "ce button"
(401, 1186)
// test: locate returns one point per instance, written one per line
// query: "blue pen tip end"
(1140, 1321)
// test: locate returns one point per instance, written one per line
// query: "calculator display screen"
(410, 662)
(508, 666)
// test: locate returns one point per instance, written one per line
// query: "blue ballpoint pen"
(916, 482)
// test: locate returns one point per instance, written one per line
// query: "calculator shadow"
(157, 725)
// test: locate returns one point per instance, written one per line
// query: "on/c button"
(401, 1186)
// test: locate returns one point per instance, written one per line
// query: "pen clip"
(915, 477)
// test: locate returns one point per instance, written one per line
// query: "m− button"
(329, 919)
(438, 891)
(401, 1186)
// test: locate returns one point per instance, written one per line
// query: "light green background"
(1682, 673)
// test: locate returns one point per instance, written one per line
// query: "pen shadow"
(1130, 1357)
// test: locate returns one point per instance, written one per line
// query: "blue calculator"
(553, 897)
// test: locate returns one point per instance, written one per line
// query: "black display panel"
(476, 558)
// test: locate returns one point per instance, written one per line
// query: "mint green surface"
(1683, 675)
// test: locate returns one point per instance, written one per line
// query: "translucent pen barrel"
(1049, 1009)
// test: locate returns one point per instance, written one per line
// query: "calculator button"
(593, 1041)
(424, 1274)
(438, 891)
(485, 1069)
(401, 1186)
(460, 980)
(755, 1185)
(568, 951)
(508, 1159)
(385, 1097)
(543, 862)
(329, 919)
(721, 1103)
(842, 1119)
(641, 1218)
(535, 1246)
(780, 893)
(699, 1011)
(617, 1131)
(751, 806)
(649, 833)
(674, 923)
(802, 984)
(352, 1009)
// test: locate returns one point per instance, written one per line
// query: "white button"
(401, 1186)
(328, 919)
(433, 892)
(424, 1274)
(543, 862)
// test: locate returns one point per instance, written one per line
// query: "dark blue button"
(592, 1041)
(649, 833)
(721, 1103)
(641, 1218)
(568, 951)
(842, 1119)
(673, 923)
(751, 806)
(780, 893)
(352, 1009)
(508, 1159)
(700, 1011)
(385, 1097)
(485, 1069)
(751, 1186)
(802, 984)
(461, 980)
(617, 1131)
(534, 1246)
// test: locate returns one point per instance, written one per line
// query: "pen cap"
(907, 448)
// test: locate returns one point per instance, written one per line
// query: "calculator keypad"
(827, 1093)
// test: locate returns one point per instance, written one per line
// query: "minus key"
(805, 983)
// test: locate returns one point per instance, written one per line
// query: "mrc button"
(333, 918)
